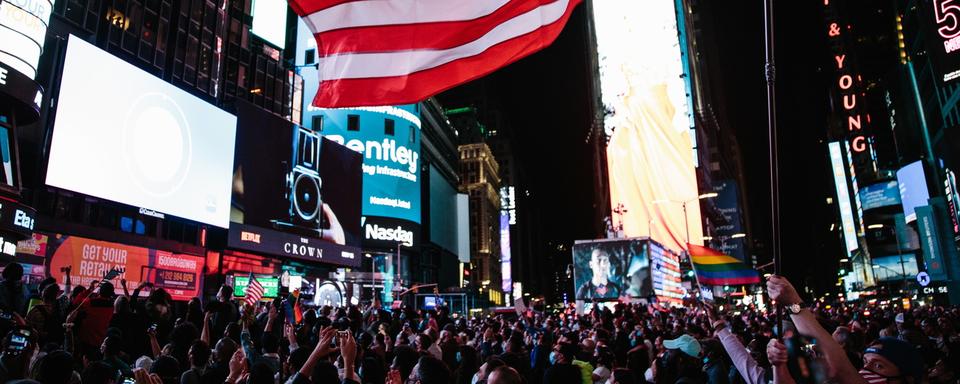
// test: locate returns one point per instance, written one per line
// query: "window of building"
(309, 56)
(353, 122)
(317, 123)
(388, 127)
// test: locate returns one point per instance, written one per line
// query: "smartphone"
(19, 340)
(128, 380)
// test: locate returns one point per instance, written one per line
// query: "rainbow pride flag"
(715, 268)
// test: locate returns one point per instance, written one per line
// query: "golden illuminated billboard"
(650, 153)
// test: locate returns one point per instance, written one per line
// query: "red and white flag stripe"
(389, 52)
(254, 291)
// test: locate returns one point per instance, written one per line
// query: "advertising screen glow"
(270, 21)
(180, 275)
(650, 153)
(146, 143)
(913, 189)
(23, 29)
(295, 193)
(606, 270)
(880, 195)
(843, 197)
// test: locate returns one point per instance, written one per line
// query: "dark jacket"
(563, 374)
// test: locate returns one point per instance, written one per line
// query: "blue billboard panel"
(913, 189)
(895, 267)
(728, 203)
(389, 140)
(878, 195)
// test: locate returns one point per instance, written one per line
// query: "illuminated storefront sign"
(23, 29)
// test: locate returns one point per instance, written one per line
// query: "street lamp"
(738, 235)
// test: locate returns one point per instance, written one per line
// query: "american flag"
(392, 52)
(254, 291)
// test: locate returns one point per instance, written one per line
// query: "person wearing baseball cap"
(890, 360)
(679, 364)
(686, 344)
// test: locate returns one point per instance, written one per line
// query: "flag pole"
(769, 72)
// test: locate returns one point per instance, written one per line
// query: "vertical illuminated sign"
(848, 87)
(505, 271)
(843, 197)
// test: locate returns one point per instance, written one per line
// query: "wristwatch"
(795, 308)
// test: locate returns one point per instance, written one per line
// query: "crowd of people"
(99, 334)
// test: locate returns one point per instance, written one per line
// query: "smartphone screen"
(17, 343)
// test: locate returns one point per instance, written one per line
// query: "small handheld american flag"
(254, 291)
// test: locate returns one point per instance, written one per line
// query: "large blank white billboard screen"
(122, 134)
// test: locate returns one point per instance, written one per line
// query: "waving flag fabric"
(391, 52)
(254, 291)
(715, 268)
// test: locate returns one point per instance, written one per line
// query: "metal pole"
(686, 227)
(769, 72)
(903, 269)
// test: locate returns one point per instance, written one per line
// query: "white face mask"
(476, 378)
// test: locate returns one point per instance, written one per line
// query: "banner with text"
(180, 275)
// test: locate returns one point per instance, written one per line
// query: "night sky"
(544, 100)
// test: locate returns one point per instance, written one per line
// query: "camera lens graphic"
(157, 145)
(307, 199)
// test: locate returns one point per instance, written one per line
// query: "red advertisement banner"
(179, 274)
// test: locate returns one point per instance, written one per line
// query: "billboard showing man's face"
(611, 269)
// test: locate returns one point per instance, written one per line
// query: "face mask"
(553, 357)
(871, 376)
(475, 379)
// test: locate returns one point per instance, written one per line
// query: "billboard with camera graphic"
(388, 138)
(295, 192)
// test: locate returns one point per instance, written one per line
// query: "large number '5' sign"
(948, 18)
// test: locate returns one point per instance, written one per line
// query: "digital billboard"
(443, 209)
(843, 197)
(23, 30)
(941, 22)
(895, 267)
(180, 275)
(650, 155)
(270, 21)
(880, 195)
(728, 203)
(270, 284)
(295, 193)
(506, 270)
(665, 275)
(606, 270)
(913, 189)
(147, 143)
(388, 137)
